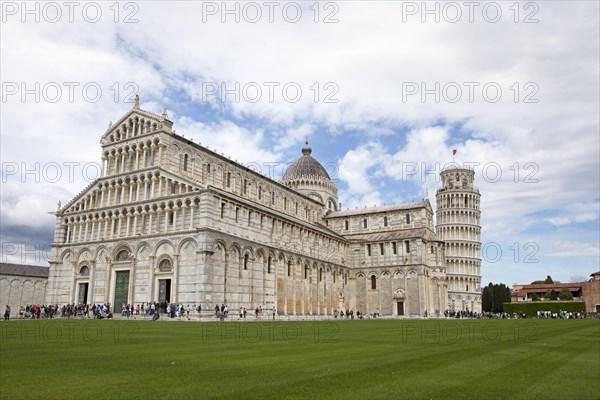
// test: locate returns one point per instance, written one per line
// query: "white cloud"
(294, 136)
(370, 58)
(354, 167)
(572, 249)
(227, 138)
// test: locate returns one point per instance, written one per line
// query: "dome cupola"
(307, 176)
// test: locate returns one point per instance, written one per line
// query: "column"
(79, 229)
(128, 225)
(192, 206)
(85, 234)
(175, 218)
(160, 153)
(91, 299)
(112, 226)
(135, 218)
(137, 158)
(105, 227)
(102, 190)
(122, 162)
(130, 186)
(175, 288)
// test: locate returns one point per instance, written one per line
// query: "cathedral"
(171, 220)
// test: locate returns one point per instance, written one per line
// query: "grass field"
(466, 359)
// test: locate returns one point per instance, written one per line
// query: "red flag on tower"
(454, 152)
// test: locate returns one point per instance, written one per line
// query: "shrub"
(531, 308)
(565, 294)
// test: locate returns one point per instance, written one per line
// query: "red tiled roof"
(544, 287)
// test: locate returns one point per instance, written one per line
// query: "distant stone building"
(591, 293)
(171, 220)
(22, 285)
(588, 292)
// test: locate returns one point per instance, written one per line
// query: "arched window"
(269, 265)
(246, 261)
(385, 221)
(123, 255)
(365, 223)
(346, 225)
(373, 282)
(320, 275)
(289, 268)
(185, 162)
(305, 272)
(85, 271)
(408, 218)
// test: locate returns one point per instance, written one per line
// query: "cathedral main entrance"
(121, 290)
(82, 293)
(164, 290)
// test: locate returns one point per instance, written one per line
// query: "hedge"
(531, 308)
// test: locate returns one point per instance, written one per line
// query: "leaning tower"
(458, 224)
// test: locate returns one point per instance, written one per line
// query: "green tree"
(553, 295)
(535, 297)
(494, 296)
(487, 298)
(548, 295)
(548, 279)
(565, 294)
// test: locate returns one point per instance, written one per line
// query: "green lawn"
(467, 359)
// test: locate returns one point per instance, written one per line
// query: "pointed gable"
(134, 123)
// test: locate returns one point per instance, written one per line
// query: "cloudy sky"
(384, 90)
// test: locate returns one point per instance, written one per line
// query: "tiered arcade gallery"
(172, 221)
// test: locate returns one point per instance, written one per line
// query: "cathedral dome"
(306, 167)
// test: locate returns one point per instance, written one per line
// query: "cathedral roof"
(23, 270)
(305, 167)
(378, 209)
(402, 234)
